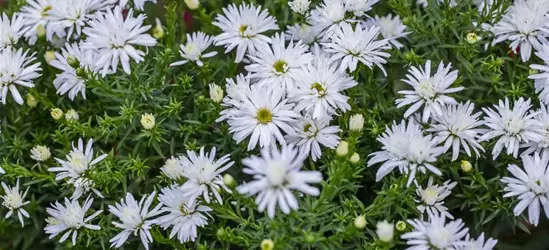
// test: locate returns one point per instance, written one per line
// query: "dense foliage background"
(179, 99)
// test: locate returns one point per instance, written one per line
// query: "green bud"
(401, 226)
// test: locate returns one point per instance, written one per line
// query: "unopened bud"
(466, 166)
(360, 222)
(356, 123)
(472, 38)
(56, 113)
(385, 231)
(355, 158)
(158, 31)
(401, 226)
(40, 30)
(148, 121)
(31, 101)
(192, 4)
(342, 149)
(49, 56)
(228, 180)
(267, 244)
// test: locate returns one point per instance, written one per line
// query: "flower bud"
(342, 149)
(310, 238)
(385, 231)
(267, 244)
(73, 62)
(466, 166)
(401, 226)
(40, 153)
(56, 113)
(40, 30)
(72, 115)
(472, 38)
(228, 180)
(192, 4)
(148, 121)
(299, 6)
(220, 232)
(355, 158)
(356, 123)
(158, 31)
(216, 92)
(533, 71)
(360, 222)
(49, 56)
(31, 101)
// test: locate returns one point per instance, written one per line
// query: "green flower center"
(280, 66)
(45, 10)
(307, 128)
(264, 115)
(319, 88)
(243, 28)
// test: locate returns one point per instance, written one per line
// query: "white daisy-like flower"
(320, 89)
(242, 28)
(196, 44)
(68, 17)
(37, 16)
(261, 115)
(328, 16)
(458, 128)
(542, 145)
(311, 133)
(40, 153)
(173, 169)
(350, 46)
(301, 32)
(360, 7)
(79, 162)
(181, 214)
(430, 91)
(74, 62)
(236, 92)
(431, 198)
(391, 28)
(276, 65)
(114, 38)
(299, 6)
(11, 30)
(524, 25)
(135, 218)
(531, 186)
(14, 201)
(69, 218)
(203, 173)
(541, 77)
(405, 147)
(435, 233)
(513, 125)
(276, 173)
(479, 244)
(17, 68)
(137, 4)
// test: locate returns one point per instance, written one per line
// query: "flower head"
(172, 169)
(311, 133)
(301, 32)
(14, 200)
(40, 153)
(531, 186)
(69, 218)
(431, 198)
(11, 30)
(329, 16)
(135, 218)
(299, 6)
(429, 91)
(203, 173)
(242, 28)
(541, 76)
(68, 17)
(197, 43)
(391, 28)
(385, 231)
(17, 68)
(276, 173)
(435, 233)
(37, 15)
(479, 244)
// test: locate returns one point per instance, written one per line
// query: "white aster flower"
(137, 4)
(276, 173)
(114, 38)
(391, 28)
(277, 65)
(405, 147)
(531, 186)
(524, 25)
(458, 127)
(430, 91)
(182, 215)
(479, 244)
(435, 233)
(11, 30)
(360, 7)
(311, 133)
(431, 198)
(14, 201)
(17, 68)
(350, 46)
(74, 62)
(236, 92)
(541, 77)
(319, 89)
(327, 17)
(299, 6)
(261, 115)
(172, 169)
(79, 162)
(301, 32)
(69, 218)
(68, 17)
(513, 125)
(542, 145)
(135, 218)
(242, 28)
(40, 153)
(37, 16)
(196, 44)
(203, 173)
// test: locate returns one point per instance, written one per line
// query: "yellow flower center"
(264, 115)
